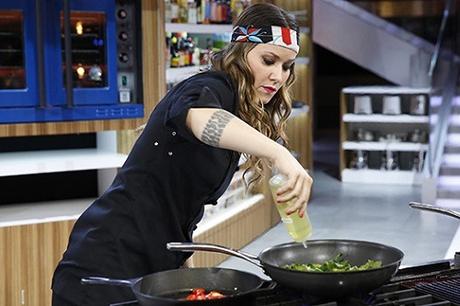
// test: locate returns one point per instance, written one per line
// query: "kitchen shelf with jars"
(384, 134)
(195, 29)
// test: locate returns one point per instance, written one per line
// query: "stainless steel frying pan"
(441, 210)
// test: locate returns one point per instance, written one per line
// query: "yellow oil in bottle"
(299, 228)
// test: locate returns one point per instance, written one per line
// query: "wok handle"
(94, 280)
(190, 247)
(444, 211)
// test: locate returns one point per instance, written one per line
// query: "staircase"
(374, 43)
(448, 191)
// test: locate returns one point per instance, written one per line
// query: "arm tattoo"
(215, 127)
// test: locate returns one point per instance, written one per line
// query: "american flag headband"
(275, 35)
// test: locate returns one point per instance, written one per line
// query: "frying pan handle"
(190, 247)
(94, 280)
(440, 210)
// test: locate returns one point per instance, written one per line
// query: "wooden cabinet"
(28, 256)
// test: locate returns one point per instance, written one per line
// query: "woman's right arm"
(219, 128)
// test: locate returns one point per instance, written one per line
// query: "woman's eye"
(268, 61)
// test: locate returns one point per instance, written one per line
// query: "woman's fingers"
(302, 196)
(299, 201)
(288, 186)
(291, 193)
(303, 203)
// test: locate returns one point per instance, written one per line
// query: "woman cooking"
(185, 158)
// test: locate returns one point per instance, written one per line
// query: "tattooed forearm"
(214, 128)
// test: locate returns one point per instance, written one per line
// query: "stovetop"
(431, 284)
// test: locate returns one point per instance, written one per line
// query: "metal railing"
(438, 136)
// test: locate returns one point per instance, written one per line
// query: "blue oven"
(65, 60)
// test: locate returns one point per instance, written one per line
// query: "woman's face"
(270, 65)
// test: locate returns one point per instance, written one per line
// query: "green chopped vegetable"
(337, 264)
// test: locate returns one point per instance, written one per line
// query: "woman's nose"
(276, 74)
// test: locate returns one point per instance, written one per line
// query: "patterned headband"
(275, 35)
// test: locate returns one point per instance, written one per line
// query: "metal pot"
(320, 284)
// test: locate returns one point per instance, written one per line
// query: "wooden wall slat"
(299, 134)
(29, 255)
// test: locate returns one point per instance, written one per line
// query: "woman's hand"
(298, 184)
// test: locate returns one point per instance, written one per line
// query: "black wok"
(169, 287)
(320, 284)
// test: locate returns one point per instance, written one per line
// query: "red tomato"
(199, 294)
(199, 291)
(191, 297)
(214, 295)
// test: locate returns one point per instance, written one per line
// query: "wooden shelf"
(295, 112)
(303, 60)
(42, 212)
(384, 90)
(385, 118)
(371, 176)
(224, 214)
(383, 146)
(305, 30)
(209, 28)
(199, 28)
(175, 75)
(23, 163)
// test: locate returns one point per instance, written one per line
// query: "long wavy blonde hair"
(269, 119)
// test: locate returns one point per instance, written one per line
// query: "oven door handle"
(68, 55)
(40, 55)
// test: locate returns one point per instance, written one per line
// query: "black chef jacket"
(157, 196)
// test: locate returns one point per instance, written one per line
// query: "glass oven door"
(94, 62)
(18, 73)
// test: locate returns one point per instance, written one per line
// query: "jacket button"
(173, 133)
(155, 143)
(170, 153)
